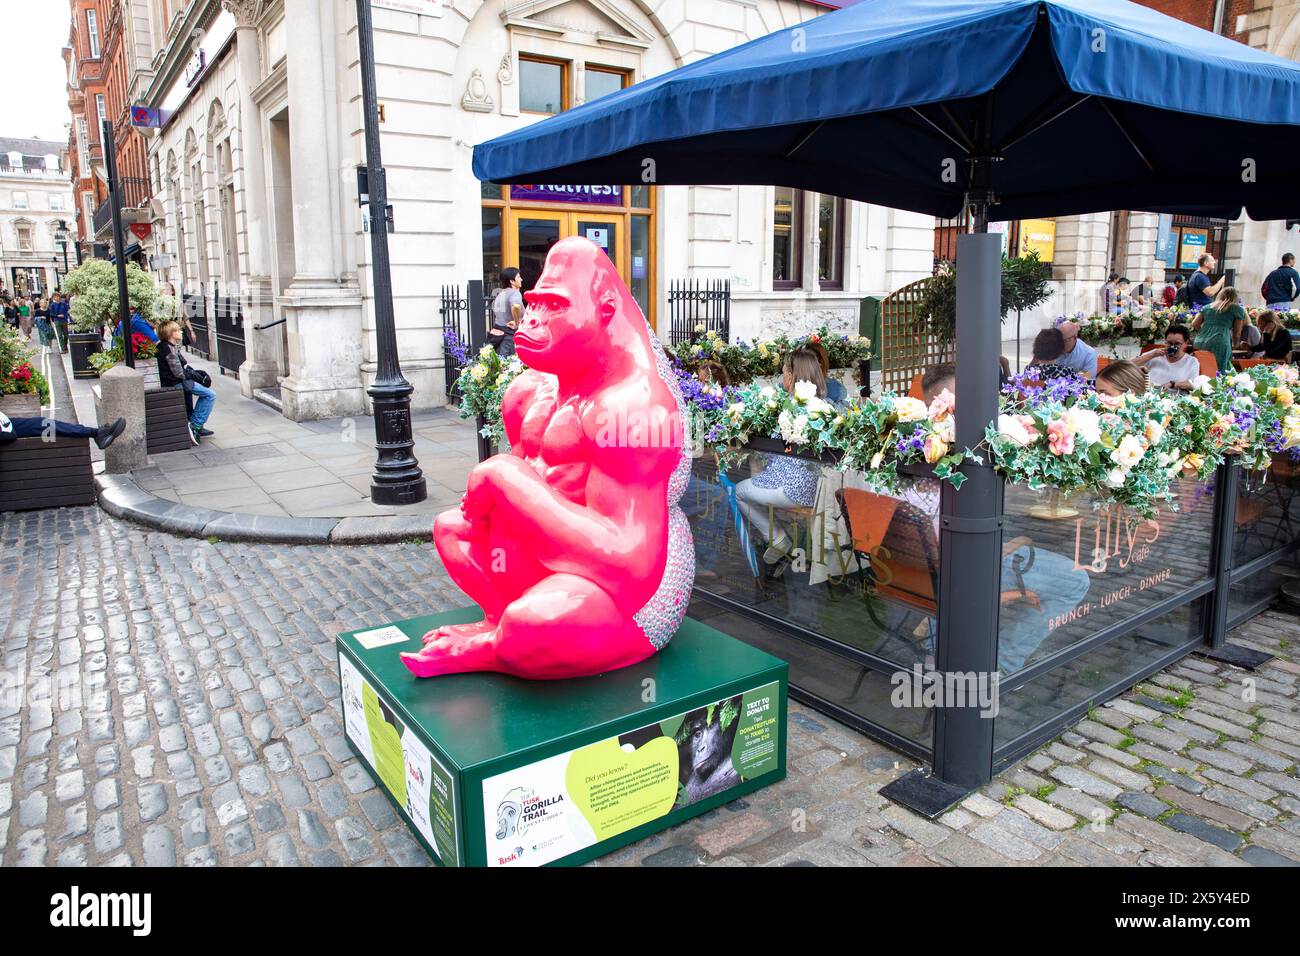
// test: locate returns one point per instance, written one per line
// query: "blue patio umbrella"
(1039, 107)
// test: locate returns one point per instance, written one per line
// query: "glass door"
(604, 232)
(531, 238)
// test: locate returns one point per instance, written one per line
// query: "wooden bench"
(166, 420)
(35, 473)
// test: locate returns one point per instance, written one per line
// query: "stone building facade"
(35, 200)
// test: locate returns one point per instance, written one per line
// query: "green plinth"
(492, 770)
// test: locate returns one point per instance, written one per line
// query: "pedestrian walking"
(25, 319)
(1200, 290)
(1281, 285)
(41, 316)
(59, 314)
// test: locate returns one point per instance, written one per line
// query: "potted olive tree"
(93, 287)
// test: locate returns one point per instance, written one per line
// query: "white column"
(261, 367)
(322, 309)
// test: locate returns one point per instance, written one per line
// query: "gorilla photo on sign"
(704, 751)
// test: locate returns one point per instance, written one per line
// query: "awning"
(1085, 105)
(128, 252)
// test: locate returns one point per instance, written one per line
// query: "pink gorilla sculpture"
(573, 543)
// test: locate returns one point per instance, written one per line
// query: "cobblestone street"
(174, 701)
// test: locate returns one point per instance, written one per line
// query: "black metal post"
(115, 197)
(397, 479)
(477, 308)
(970, 525)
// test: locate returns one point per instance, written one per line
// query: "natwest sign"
(591, 195)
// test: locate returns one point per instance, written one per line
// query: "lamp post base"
(397, 479)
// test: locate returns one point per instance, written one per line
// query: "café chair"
(897, 553)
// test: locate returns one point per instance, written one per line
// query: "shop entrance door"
(533, 232)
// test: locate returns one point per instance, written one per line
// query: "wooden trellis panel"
(905, 348)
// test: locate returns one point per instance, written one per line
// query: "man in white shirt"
(1171, 367)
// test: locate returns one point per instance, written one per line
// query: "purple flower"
(455, 347)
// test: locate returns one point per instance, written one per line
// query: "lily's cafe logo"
(1111, 536)
(76, 909)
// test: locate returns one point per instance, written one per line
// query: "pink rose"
(1060, 439)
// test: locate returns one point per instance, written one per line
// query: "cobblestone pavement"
(179, 705)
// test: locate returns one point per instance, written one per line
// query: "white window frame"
(88, 208)
(83, 146)
(21, 203)
(92, 33)
(19, 229)
(101, 109)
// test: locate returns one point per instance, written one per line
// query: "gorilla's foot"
(455, 653)
(458, 631)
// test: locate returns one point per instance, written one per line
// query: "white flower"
(767, 392)
(1129, 452)
(1116, 478)
(805, 391)
(1242, 380)
(1085, 423)
(793, 430)
(735, 410)
(910, 409)
(946, 429)
(1154, 431)
(1009, 426)
(1203, 384)
(818, 406)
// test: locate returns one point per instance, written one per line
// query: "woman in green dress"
(1218, 325)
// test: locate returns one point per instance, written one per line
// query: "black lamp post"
(61, 237)
(397, 479)
(115, 197)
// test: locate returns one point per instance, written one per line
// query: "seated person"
(1076, 355)
(1049, 354)
(12, 429)
(1250, 342)
(174, 372)
(1174, 366)
(138, 327)
(1275, 338)
(1122, 377)
(835, 393)
(787, 482)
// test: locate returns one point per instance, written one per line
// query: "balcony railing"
(135, 194)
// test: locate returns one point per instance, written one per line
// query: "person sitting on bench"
(12, 429)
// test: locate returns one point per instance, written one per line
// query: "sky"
(34, 101)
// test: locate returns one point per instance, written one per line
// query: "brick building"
(87, 101)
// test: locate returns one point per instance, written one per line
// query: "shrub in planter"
(93, 287)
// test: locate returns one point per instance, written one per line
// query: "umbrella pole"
(970, 534)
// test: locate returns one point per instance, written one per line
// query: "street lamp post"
(115, 197)
(61, 237)
(397, 479)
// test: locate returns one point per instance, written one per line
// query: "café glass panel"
(1104, 669)
(1268, 513)
(1071, 569)
(836, 558)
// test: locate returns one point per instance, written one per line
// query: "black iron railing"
(698, 306)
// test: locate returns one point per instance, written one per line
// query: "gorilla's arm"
(606, 538)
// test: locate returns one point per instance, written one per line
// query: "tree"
(1024, 285)
(93, 286)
